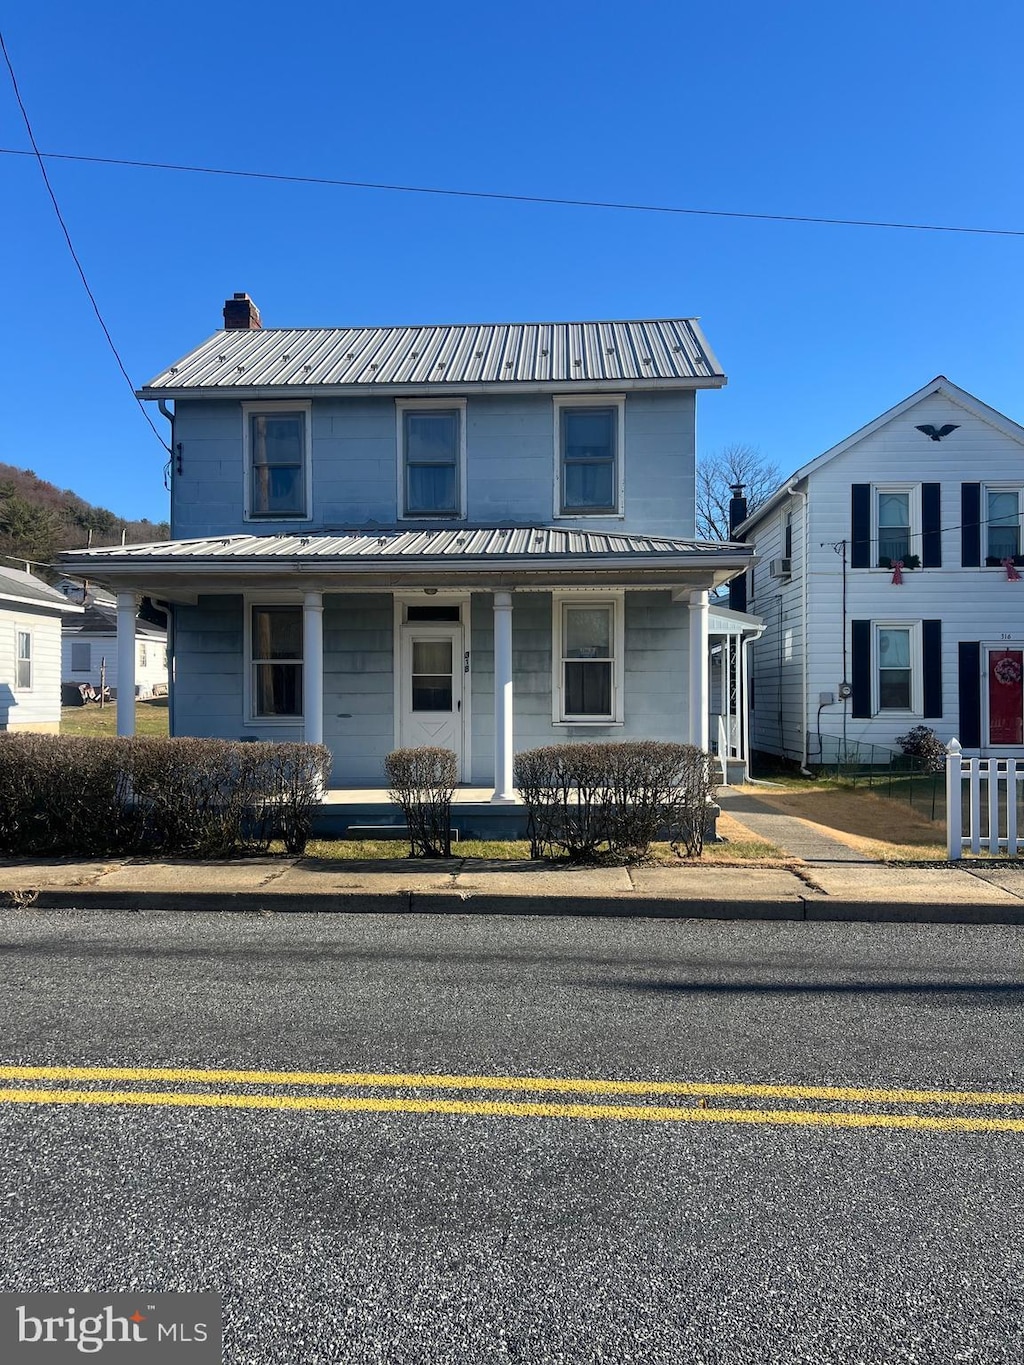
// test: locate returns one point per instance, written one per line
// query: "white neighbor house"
(30, 617)
(937, 485)
(480, 536)
(89, 650)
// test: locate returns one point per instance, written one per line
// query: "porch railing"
(984, 807)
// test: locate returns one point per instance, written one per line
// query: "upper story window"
(893, 525)
(588, 456)
(23, 662)
(277, 459)
(276, 661)
(432, 458)
(1002, 524)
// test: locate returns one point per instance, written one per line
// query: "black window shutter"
(970, 693)
(860, 648)
(931, 527)
(970, 524)
(860, 526)
(931, 650)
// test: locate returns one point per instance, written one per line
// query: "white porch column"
(126, 663)
(313, 667)
(503, 790)
(699, 669)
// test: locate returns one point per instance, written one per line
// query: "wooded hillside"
(37, 519)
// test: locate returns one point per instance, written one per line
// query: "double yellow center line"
(716, 1102)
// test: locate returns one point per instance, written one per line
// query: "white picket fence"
(986, 791)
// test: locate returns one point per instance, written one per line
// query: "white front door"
(431, 687)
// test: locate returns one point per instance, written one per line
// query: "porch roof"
(395, 558)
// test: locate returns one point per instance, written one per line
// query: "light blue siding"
(510, 465)
(359, 720)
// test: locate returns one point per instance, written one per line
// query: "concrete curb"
(805, 908)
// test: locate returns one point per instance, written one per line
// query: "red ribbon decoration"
(897, 571)
(1012, 576)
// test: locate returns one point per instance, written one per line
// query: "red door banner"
(1006, 696)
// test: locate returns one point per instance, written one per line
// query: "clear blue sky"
(899, 110)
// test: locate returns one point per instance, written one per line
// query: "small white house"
(890, 580)
(30, 620)
(89, 652)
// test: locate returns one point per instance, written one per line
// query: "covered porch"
(487, 642)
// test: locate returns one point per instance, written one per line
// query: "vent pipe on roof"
(241, 314)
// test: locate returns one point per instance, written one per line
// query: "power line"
(506, 197)
(67, 237)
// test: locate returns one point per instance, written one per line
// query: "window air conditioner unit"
(780, 568)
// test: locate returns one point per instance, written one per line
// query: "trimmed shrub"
(620, 796)
(422, 782)
(923, 744)
(206, 797)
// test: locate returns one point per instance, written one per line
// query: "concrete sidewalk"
(978, 893)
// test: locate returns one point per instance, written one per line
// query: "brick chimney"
(241, 314)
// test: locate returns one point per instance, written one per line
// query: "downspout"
(805, 571)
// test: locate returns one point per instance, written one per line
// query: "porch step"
(387, 832)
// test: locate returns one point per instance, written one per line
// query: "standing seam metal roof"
(489, 542)
(657, 350)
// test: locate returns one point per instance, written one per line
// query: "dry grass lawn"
(94, 720)
(873, 825)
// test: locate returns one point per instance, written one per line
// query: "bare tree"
(735, 464)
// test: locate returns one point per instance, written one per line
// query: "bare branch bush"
(422, 782)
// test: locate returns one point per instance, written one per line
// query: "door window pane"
(432, 675)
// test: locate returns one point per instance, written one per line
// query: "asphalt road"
(344, 1235)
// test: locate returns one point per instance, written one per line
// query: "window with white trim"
(277, 458)
(81, 656)
(23, 662)
(587, 655)
(897, 655)
(431, 458)
(897, 524)
(142, 654)
(276, 661)
(1002, 524)
(589, 471)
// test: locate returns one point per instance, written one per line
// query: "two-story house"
(888, 580)
(473, 536)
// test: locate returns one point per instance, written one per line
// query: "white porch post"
(699, 669)
(126, 663)
(503, 748)
(313, 667)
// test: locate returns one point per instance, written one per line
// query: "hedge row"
(585, 799)
(64, 795)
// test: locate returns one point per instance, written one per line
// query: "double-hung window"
(1002, 524)
(897, 667)
(81, 656)
(276, 661)
(432, 459)
(23, 662)
(589, 457)
(588, 650)
(277, 445)
(893, 525)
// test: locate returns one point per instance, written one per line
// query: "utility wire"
(517, 198)
(67, 237)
